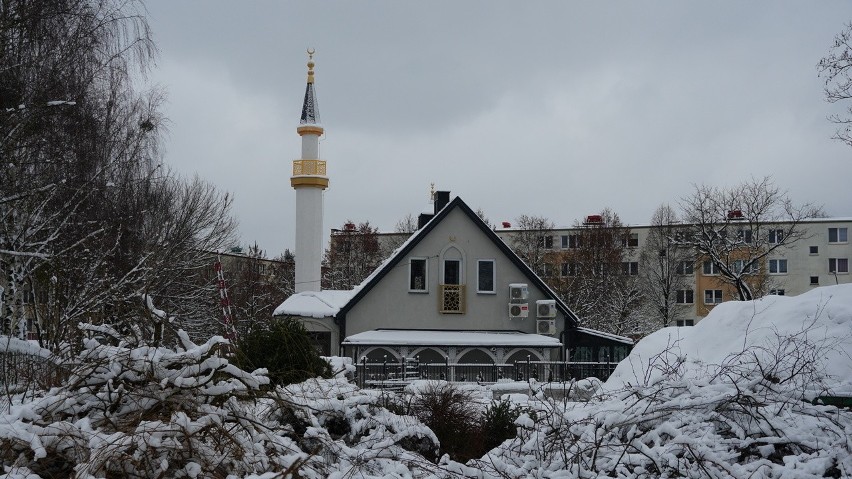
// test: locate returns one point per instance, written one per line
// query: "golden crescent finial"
(311, 52)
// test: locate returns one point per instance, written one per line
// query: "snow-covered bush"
(130, 410)
(684, 409)
(284, 349)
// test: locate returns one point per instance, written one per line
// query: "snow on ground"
(822, 317)
(729, 397)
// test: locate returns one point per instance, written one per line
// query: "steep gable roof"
(403, 251)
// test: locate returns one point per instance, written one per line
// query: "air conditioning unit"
(545, 308)
(545, 326)
(518, 310)
(518, 291)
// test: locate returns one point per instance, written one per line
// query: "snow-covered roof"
(314, 304)
(601, 334)
(420, 337)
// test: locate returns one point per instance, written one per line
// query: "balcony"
(309, 167)
(451, 298)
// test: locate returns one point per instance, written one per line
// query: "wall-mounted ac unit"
(545, 308)
(518, 310)
(545, 326)
(518, 291)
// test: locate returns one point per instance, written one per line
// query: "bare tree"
(835, 68)
(92, 228)
(532, 240)
(353, 253)
(734, 229)
(597, 275)
(666, 268)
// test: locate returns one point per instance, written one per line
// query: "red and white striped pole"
(227, 316)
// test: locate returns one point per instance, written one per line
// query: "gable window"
(452, 271)
(485, 276)
(838, 235)
(838, 265)
(709, 268)
(418, 271)
(777, 266)
(684, 267)
(685, 296)
(712, 296)
(776, 236)
(630, 268)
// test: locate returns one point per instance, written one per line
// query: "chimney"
(422, 219)
(441, 200)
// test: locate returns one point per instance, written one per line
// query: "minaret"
(309, 180)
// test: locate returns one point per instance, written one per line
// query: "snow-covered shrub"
(747, 416)
(284, 348)
(146, 411)
(130, 410)
(455, 417)
(498, 422)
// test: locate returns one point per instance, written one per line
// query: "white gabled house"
(454, 292)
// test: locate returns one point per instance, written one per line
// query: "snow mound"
(740, 331)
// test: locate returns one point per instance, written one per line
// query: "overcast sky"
(555, 109)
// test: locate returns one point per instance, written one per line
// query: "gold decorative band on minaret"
(309, 130)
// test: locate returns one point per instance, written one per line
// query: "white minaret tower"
(309, 180)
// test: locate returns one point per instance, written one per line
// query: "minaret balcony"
(309, 173)
(309, 168)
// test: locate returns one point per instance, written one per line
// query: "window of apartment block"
(545, 242)
(685, 267)
(630, 268)
(744, 235)
(685, 322)
(547, 270)
(685, 296)
(485, 276)
(776, 292)
(709, 268)
(814, 280)
(777, 266)
(418, 270)
(567, 269)
(744, 267)
(838, 265)
(564, 241)
(630, 241)
(813, 250)
(712, 296)
(837, 235)
(776, 236)
(575, 241)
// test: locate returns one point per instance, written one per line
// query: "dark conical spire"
(310, 109)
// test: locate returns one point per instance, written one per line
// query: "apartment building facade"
(819, 257)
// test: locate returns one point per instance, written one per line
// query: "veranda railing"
(396, 373)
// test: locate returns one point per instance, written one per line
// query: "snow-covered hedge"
(142, 411)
